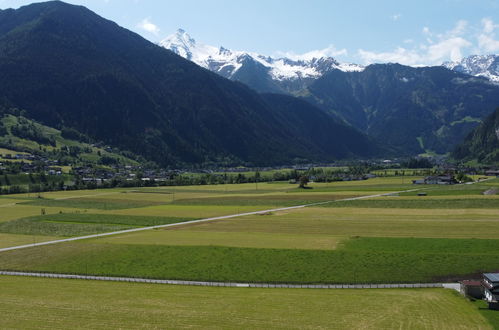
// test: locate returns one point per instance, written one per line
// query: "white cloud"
(148, 26)
(487, 43)
(436, 49)
(396, 17)
(459, 29)
(329, 51)
(486, 39)
(447, 49)
(399, 55)
(488, 25)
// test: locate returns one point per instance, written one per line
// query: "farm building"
(491, 289)
(436, 179)
(492, 173)
(471, 288)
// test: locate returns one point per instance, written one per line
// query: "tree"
(303, 181)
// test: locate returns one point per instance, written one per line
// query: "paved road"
(236, 285)
(193, 221)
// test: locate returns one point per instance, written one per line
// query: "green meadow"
(451, 233)
(80, 304)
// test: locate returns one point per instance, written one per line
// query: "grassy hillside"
(23, 135)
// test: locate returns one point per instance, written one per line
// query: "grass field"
(490, 315)
(450, 234)
(360, 260)
(340, 242)
(80, 224)
(7, 240)
(86, 304)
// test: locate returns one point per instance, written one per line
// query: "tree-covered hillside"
(482, 144)
(66, 66)
(414, 109)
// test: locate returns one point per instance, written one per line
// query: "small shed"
(472, 288)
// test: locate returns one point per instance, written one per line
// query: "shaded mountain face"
(482, 143)
(413, 109)
(66, 66)
(262, 73)
(477, 65)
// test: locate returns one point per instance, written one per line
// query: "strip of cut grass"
(94, 304)
(375, 222)
(235, 239)
(190, 211)
(93, 203)
(8, 240)
(17, 211)
(362, 260)
(77, 224)
(421, 203)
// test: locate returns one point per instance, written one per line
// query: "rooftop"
(493, 277)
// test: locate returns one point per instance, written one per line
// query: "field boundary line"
(223, 217)
(230, 284)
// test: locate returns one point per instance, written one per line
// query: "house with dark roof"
(491, 289)
(436, 179)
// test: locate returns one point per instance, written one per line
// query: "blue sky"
(410, 32)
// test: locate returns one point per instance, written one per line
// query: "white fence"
(226, 284)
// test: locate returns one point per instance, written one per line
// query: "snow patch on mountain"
(227, 62)
(477, 65)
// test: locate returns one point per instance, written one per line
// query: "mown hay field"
(29, 302)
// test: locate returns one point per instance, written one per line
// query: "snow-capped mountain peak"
(228, 62)
(477, 65)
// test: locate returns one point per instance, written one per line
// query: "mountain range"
(290, 74)
(477, 65)
(65, 66)
(414, 109)
(262, 73)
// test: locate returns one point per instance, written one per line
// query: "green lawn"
(491, 315)
(30, 303)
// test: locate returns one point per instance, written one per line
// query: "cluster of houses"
(436, 179)
(48, 166)
(100, 175)
(487, 288)
(446, 179)
(18, 156)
